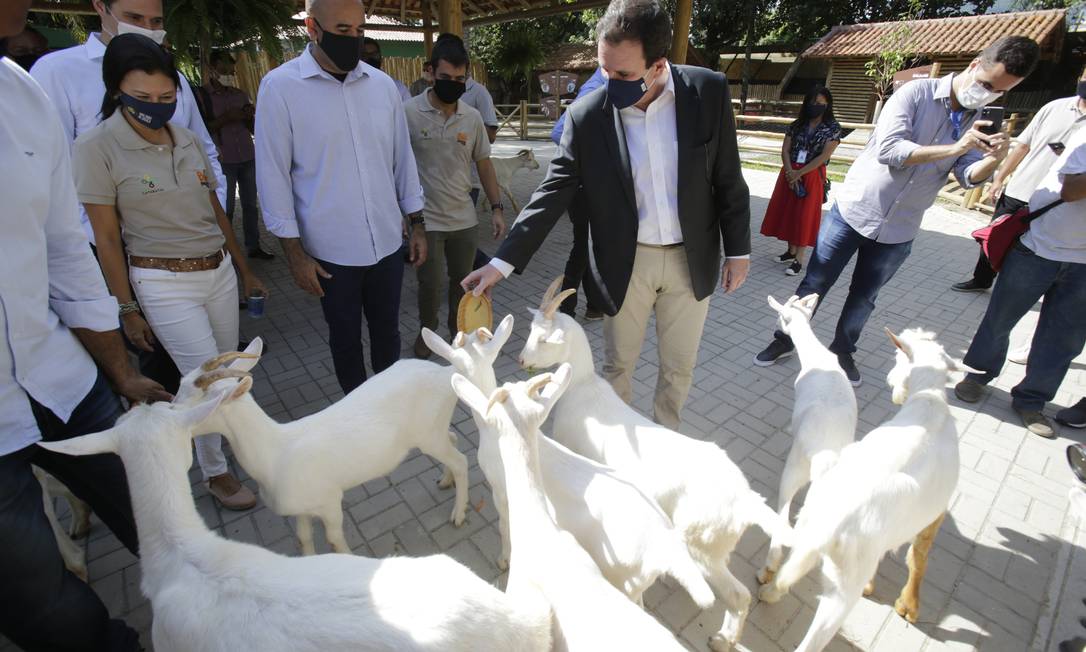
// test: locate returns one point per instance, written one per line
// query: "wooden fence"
(524, 121)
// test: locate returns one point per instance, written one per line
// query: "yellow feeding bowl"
(475, 312)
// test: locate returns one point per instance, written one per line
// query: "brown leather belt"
(178, 264)
(656, 246)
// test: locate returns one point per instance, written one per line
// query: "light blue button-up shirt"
(334, 164)
(49, 281)
(884, 199)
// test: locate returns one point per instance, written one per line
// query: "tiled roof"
(966, 35)
(572, 57)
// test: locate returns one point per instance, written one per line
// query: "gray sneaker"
(969, 391)
(1037, 423)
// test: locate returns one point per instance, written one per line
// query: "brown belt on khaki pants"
(178, 264)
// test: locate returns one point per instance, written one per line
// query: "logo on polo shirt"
(462, 138)
(150, 184)
(202, 178)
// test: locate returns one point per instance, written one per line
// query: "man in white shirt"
(1048, 261)
(56, 321)
(656, 156)
(337, 179)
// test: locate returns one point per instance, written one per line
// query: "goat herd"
(589, 517)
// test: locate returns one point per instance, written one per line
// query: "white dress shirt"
(49, 281)
(334, 164)
(73, 80)
(653, 143)
(1060, 234)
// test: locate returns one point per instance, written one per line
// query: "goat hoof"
(765, 576)
(907, 611)
(770, 594)
(457, 518)
(719, 643)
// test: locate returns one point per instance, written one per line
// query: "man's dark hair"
(449, 48)
(369, 41)
(1018, 55)
(128, 52)
(221, 55)
(644, 21)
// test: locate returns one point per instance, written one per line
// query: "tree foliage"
(897, 51)
(196, 25)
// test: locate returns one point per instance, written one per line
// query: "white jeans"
(195, 317)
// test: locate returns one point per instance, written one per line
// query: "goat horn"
(483, 335)
(537, 385)
(206, 380)
(556, 302)
(552, 289)
(499, 396)
(225, 358)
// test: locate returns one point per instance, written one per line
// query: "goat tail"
(821, 462)
(687, 573)
(755, 511)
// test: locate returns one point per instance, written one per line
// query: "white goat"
(210, 594)
(589, 614)
(73, 554)
(304, 466)
(892, 486)
(823, 415)
(627, 534)
(696, 484)
(505, 167)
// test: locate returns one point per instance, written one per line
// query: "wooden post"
(524, 119)
(450, 17)
(428, 28)
(681, 35)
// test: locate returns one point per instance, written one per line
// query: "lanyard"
(956, 120)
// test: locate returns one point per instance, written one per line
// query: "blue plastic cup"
(256, 305)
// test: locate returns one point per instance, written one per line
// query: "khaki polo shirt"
(1057, 121)
(161, 192)
(446, 152)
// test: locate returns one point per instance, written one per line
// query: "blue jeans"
(1061, 330)
(42, 605)
(876, 264)
(375, 291)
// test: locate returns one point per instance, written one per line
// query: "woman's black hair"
(128, 52)
(808, 100)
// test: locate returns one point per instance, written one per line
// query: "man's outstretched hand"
(482, 280)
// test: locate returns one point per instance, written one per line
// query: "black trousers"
(983, 274)
(372, 290)
(577, 263)
(43, 606)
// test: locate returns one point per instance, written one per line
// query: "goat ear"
(774, 304)
(244, 385)
(957, 365)
(471, 395)
(191, 417)
(92, 444)
(810, 302)
(557, 336)
(436, 344)
(255, 348)
(502, 332)
(898, 343)
(559, 381)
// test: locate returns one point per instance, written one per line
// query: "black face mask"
(374, 61)
(815, 110)
(344, 51)
(1082, 89)
(449, 90)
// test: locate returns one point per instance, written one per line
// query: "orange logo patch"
(462, 138)
(202, 178)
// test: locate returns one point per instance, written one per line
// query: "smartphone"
(994, 114)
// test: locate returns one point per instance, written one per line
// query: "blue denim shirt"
(882, 198)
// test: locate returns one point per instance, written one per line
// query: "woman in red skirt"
(795, 209)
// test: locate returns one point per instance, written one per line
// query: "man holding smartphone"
(929, 128)
(1032, 155)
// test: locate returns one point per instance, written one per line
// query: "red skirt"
(792, 218)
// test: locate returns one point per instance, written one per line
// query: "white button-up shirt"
(653, 142)
(73, 80)
(49, 281)
(334, 164)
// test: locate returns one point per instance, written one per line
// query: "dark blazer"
(713, 200)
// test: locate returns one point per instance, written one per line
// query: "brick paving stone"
(996, 572)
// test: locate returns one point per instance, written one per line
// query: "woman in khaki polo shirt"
(150, 193)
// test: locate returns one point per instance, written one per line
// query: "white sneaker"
(1019, 355)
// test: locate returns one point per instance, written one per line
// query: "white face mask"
(156, 35)
(974, 96)
(227, 80)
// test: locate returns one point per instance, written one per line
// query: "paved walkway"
(999, 572)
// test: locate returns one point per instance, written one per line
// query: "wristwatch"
(416, 219)
(497, 206)
(128, 308)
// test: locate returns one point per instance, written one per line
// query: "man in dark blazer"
(656, 154)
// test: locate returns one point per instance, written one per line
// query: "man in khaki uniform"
(448, 137)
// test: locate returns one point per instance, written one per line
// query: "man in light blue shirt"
(56, 321)
(927, 129)
(578, 256)
(338, 185)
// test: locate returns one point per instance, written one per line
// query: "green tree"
(897, 51)
(196, 26)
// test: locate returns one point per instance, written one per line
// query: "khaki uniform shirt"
(446, 152)
(161, 192)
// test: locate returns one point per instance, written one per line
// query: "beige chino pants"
(660, 282)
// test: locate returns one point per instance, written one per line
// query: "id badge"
(801, 157)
